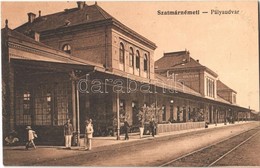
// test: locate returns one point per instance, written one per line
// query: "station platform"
(18, 155)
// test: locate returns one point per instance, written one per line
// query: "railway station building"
(83, 63)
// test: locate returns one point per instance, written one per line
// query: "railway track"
(126, 149)
(210, 155)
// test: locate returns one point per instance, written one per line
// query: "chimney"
(81, 4)
(31, 17)
(6, 23)
(188, 56)
(34, 35)
(40, 13)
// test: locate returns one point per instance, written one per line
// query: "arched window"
(145, 62)
(122, 54)
(67, 48)
(137, 60)
(131, 57)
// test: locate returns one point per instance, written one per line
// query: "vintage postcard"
(130, 83)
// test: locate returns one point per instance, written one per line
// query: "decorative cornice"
(133, 33)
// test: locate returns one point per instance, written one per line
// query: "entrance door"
(184, 115)
(135, 112)
(210, 114)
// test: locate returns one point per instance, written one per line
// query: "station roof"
(69, 18)
(179, 60)
(51, 55)
(168, 84)
(39, 52)
(66, 18)
(222, 87)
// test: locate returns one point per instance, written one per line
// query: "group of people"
(68, 131)
(12, 139)
(126, 128)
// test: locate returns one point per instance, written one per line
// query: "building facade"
(83, 63)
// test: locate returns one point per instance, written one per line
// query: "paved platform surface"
(17, 155)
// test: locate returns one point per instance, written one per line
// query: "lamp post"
(75, 99)
(78, 126)
(118, 120)
(231, 116)
(171, 111)
(225, 119)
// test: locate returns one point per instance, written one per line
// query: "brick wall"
(91, 44)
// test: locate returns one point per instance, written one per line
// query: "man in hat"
(68, 131)
(152, 126)
(88, 134)
(31, 135)
(126, 129)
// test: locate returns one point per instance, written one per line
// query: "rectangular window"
(207, 86)
(27, 103)
(213, 88)
(210, 87)
(234, 98)
(43, 106)
(48, 106)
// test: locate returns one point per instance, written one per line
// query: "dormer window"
(87, 17)
(122, 54)
(67, 23)
(37, 37)
(66, 48)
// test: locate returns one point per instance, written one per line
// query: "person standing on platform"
(68, 131)
(152, 126)
(126, 129)
(88, 134)
(30, 137)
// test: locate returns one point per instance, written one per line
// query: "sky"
(226, 44)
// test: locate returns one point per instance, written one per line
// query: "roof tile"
(75, 16)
